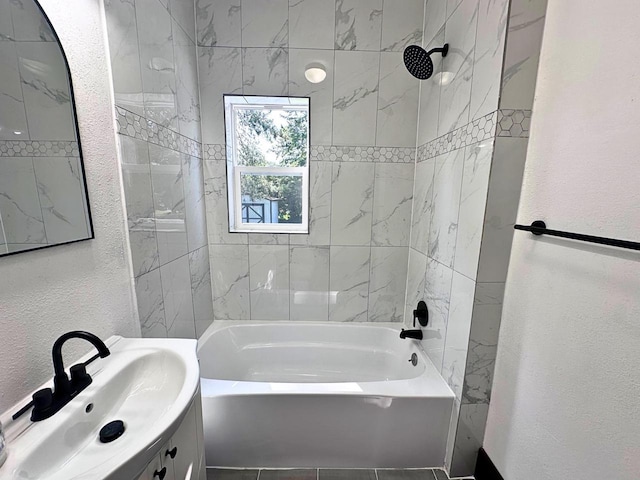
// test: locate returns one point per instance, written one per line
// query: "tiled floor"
(325, 474)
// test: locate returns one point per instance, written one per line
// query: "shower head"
(418, 60)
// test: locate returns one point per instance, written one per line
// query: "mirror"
(43, 194)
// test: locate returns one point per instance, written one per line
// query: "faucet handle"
(42, 402)
(79, 376)
(43, 398)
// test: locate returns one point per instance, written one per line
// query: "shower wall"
(472, 138)
(352, 265)
(155, 81)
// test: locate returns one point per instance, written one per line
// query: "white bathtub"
(287, 394)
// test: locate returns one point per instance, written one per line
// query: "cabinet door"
(159, 468)
(184, 448)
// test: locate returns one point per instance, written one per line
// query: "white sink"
(147, 383)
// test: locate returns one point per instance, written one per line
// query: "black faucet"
(417, 334)
(421, 313)
(47, 402)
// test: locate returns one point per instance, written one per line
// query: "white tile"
(144, 248)
(469, 438)
(11, 102)
(387, 286)
(268, 238)
(473, 200)
(178, 302)
(269, 278)
(321, 94)
(196, 216)
(265, 71)
(397, 103)
(151, 305)
(43, 71)
(483, 342)
(502, 207)
(430, 91)
(417, 268)
(220, 73)
(358, 25)
(183, 11)
(219, 23)
(265, 23)
(352, 203)
(526, 25)
(187, 93)
(125, 54)
(349, 283)
(452, 5)
(422, 205)
(136, 176)
(401, 24)
(320, 207)
(230, 279)
(19, 204)
(309, 283)
(157, 63)
(169, 202)
(355, 98)
(393, 193)
(435, 12)
(458, 327)
(312, 24)
(447, 183)
(62, 198)
(437, 294)
(215, 191)
(201, 291)
(455, 98)
(488, 57)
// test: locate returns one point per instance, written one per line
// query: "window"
(267, 163)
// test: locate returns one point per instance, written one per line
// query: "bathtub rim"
(429, 384)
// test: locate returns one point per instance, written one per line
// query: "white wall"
(566, 393)
(86, 285)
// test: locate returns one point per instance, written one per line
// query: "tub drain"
(111, 431)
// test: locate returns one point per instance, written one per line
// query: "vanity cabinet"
(182, 458)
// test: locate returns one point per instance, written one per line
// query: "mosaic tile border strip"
(339, 153)
(336, 153)
(481, 129)
(514, 123)
(136, 126)
(38, 148)
(501, 123)
(214, 151)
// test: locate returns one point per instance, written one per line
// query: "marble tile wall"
(473, 128)
(155, 77)
(352, 265)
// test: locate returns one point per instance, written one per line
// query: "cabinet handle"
(160, 474)
(171, 453)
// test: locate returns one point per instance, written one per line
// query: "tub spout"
(415, 334)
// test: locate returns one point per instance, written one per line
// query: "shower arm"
(444, 50)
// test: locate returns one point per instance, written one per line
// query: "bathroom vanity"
(140, 417)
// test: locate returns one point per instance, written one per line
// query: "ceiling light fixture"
(315, 72)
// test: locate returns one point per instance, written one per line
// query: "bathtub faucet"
(415, 334)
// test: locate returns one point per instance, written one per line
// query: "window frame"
(235, 171)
